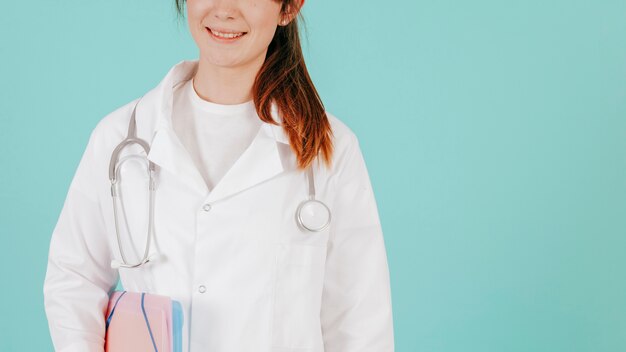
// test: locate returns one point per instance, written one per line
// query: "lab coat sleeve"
(356, 312)
(79, 277)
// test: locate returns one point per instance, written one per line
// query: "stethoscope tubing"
(114, 177)
(117, 194)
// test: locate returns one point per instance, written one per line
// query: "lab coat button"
(202, 289)
(206, 207)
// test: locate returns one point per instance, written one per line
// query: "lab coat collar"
(259, 162)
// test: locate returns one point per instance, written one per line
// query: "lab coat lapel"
(169, 153)
(154, 123)
(259, 162)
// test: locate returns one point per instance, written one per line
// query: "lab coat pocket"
(297, 296)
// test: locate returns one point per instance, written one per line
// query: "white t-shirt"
(215, 135)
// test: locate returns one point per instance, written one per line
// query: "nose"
(224, 10)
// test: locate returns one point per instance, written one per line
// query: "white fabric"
(215, 135)
(248, 278)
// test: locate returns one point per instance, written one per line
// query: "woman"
(231, 137)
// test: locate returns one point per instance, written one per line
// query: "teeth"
(226, 35)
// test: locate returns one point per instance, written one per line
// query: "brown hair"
(284, 79)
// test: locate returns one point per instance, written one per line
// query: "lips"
(225, 34)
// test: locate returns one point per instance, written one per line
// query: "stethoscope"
(311, 215)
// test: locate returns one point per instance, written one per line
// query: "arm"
(79, 277)
(356, 302)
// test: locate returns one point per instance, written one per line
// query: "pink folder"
(139, 322)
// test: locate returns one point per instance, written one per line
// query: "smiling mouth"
(225, 35)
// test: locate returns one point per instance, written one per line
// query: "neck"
(226, 85)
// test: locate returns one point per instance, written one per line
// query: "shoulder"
(345, 141)
(112, 128)
(349, 178)
(344, 138)
(106, 134)
(116, 121)
(92, 170)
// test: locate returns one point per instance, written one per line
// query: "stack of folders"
(143, 322)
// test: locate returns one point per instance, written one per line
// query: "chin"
(222, 61)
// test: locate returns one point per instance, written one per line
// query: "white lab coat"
(248, 278)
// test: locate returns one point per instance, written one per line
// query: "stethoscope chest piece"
(313, 215)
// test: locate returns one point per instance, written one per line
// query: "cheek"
(266, 33)
(263, 15)
(265, 28)
(194, 16)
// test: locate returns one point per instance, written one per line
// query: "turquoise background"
(494, 133)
